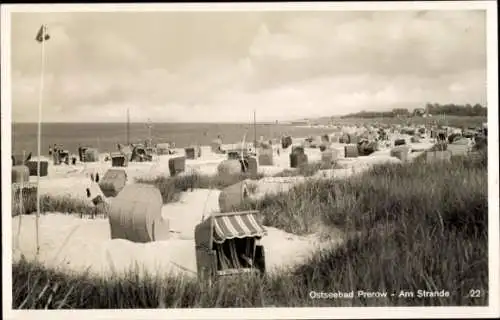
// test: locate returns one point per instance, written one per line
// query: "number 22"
(475, 293)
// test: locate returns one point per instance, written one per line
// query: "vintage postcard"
(250, 160)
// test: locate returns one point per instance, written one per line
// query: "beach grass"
(306, 170)
(416, 227)
(63, 204)
(171, 187)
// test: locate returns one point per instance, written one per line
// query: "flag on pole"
(42, 34)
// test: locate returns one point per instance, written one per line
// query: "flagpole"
(128, 126)
(21, 207)
(254, 131)
(40, 102)
(149, 125)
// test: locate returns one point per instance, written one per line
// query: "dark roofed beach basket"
(32, 166)
(233, 155)
(351, 151)
(399, 142)
(367, 147)
(91, 155)
(286, 142)
(297, 160)
(176, 165)
(119, 159)
(249, 165)
(190, 153)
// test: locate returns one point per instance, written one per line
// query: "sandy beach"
(78, 245)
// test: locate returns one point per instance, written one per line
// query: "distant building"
(419, 112)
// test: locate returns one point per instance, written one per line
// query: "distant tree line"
(457, 109)
(431, 108)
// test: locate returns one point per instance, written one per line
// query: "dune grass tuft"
(171, 187)
(306, 170)
(64, 204)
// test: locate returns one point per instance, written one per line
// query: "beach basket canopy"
(220, 227)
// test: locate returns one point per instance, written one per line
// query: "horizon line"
(170, 122)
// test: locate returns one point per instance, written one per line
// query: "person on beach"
(79, 152)
(50, 150)
(55, 155)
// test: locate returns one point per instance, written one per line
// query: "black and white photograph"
(250, 160)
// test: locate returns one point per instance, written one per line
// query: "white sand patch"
(184, 215)
(80, 245)
(286, 250)
(73, 187)
(62, 237)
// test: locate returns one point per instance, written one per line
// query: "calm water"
(105, 136)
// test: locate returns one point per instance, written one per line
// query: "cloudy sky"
(220, 66)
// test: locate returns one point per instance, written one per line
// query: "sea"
(106, 136)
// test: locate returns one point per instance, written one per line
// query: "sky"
(221, 66)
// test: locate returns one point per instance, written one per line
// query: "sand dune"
(76, 244)
(80, 245)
